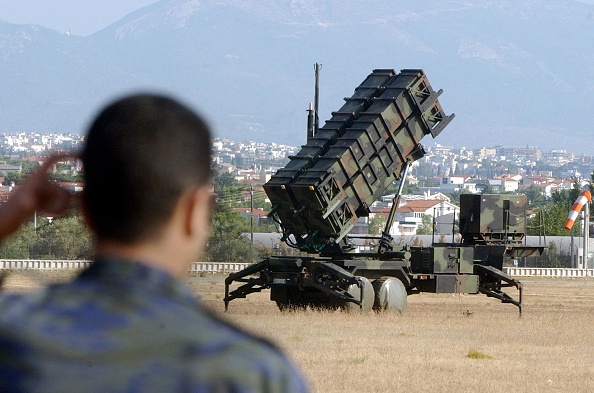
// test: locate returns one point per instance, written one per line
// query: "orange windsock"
(584, 198)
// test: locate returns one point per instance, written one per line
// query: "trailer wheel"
(368, 296)
(390, 295)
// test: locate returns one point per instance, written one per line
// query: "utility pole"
(252, 216)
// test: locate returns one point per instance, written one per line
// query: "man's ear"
(198, 206)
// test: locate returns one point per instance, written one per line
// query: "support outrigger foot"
(493, 279)
(252, 284)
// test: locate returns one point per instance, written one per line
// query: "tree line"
(67, 238)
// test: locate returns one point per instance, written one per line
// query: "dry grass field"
(442, 343)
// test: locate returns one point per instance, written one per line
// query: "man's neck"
(152, 254)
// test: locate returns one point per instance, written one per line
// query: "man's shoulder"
(46, 300)
(181, 335)
(216, 334)
(16, 305)
(239, 357)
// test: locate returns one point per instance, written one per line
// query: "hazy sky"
(83, 17)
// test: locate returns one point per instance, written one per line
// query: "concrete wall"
(230, 267)
(548, 272)
(196, 267)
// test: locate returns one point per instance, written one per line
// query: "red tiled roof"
(255, 212)
(419, 205)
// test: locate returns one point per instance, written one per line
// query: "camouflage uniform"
(121, 327)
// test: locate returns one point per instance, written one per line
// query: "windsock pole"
(586, 235)
(583, 200)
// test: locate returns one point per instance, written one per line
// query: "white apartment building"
(457, 183)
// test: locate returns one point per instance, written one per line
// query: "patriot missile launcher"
(345, 166)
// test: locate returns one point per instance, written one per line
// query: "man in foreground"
(127, 323)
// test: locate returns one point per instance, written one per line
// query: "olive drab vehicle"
(346, 165)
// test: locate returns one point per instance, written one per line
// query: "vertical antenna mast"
(313, 119)
(318, 67)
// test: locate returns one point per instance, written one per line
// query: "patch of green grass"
(474, 354)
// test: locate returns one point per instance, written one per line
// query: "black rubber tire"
(390, 295)
(368, 297)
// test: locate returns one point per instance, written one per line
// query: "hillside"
(515, 73)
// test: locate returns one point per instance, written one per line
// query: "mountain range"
(515, 72)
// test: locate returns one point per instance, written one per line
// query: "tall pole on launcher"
(318, 68)
(313, 118)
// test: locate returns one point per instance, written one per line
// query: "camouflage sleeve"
(249, 367)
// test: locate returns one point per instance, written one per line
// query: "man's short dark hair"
(141, 154)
